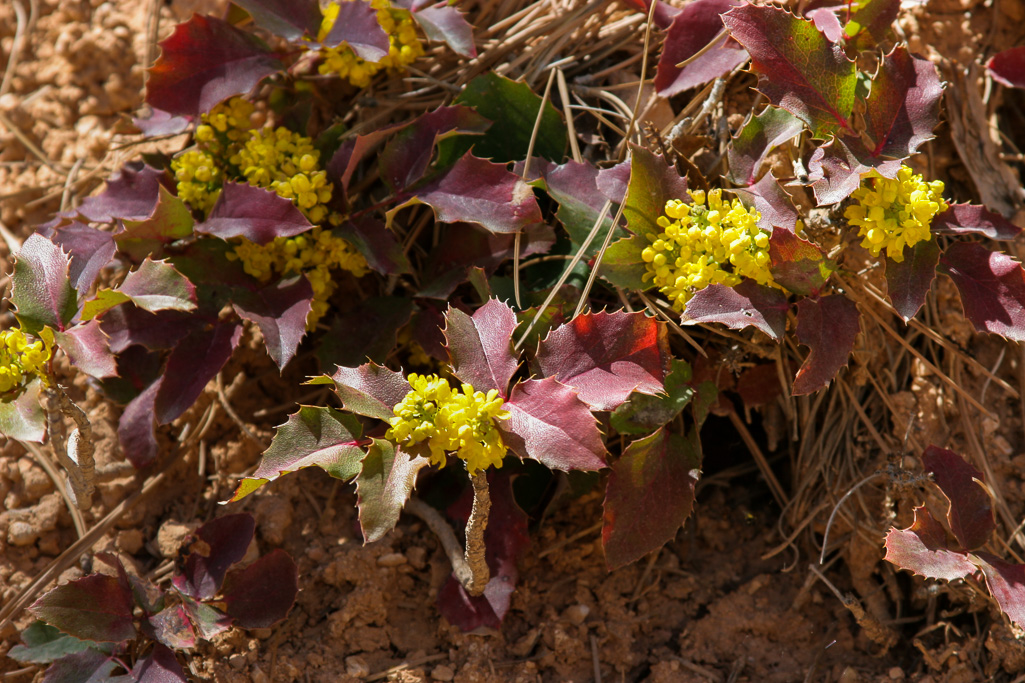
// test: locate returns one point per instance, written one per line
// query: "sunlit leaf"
(21, 416)
(870, 23)
(256, 213)
(746, 305)
(42, 289)
(961, 219)
(371, 389)
(290, 19)
(42, 643)
(97, 607)
(775, 207)
(481, 346)
(131, 194)
(90, 251)
(383, 486)
(697, 25)
(170, 221)
(922, 549)
(754, 142)
(1006, 582)
(443, 22)
(797, 264)
(904, 104)
(357, 26)
(88, 349)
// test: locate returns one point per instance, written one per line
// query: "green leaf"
(42, 290)
(622, 264)
(154, 286)
(169, 221)
(383, 487)
(642, 413)
(45, 643)
(513, 108)
(21, 417)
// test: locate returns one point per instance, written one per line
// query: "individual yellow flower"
(226, 127)
(703, 244)
(21, 359)
(894, 213)
(404, 45)
(199, 178)
(461, 422)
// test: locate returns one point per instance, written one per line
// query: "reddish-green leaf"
(478, 191)
(970, 514)
(649, 495)
(405, 158)
(290, 19)
(908, 282)
(797, 264)
(383, 485)
(922, 549)
(159, 665)
(206, 60)
(481, 346)
(170, 221)
(157, 286)
(550, 424)
(623, 265)
(870, 23)
(799, 69)
(746, 305)
(131, 194)
(653, 182)
(904, 104)
(90, 251)
(88, 349)
(607, 356)
(314, 436)
(643, 414)
(775, 207)
(42, 287)
(992, 287)
(210, 551)
(962, 219)
(357, 27)
(825, 20)
(574, 186)
(1006, 583)
(280, 311)
(172, 627)
(443, 22)
(255, 213)
(371, 389)
(762, 134)
(207, 619)
(261, 594)
(1008, 67)
(21, 416)
(828, 326)
(697, 25)
(96, 607)
(195, 361)
(43, 644)
(90, 666)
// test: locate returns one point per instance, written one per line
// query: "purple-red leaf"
(908, 282)
(798, 68)
(170, 221)
(649, 495)
(280, 311)
(481, 346)
(377, 243)
(371, 389)
(290, 19)
(157, 286)
(746, 305)
(22, 416)
(442, 22)
(479, 191)
(870, 23)
(971, 514)
(195, 361)
(90, 666)
(797, 264)
(255, 213)
(828, 326)
(904, 104)
(992, 287)
(965, 219)
(211, 550)
(160, 122)
(551, 425)
(697, 25)
(131, 194)
(42, 289)
(1008, 67)
(206, 60)
(775, 207)
(1006, 583)
(159, 665)
(346, 159)
(367, 332)
(405, 158)
(90, 250)
(262, 594)
(322, 437)
(96, 607)
(357, 27)
(88, 349)
(383, 485)
(607, 356)
(825, 20)
(136, 430)
(761, 135)
(836, 168)
(575, 187)
(922, 549)
(172, 627)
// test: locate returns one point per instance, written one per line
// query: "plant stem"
(475, 526)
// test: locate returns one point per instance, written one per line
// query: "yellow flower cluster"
(314, 253)
(894, 213)
(288, 164)
(226, 127)
(451, 422)
(199, 178)
(405, 46)
(200, 172)
(703, 244)
(20, 359)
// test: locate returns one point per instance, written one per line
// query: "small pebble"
(443, 673)
(237, 661)
(896, 674)
(391, 560)
(576, 614)
(21, 533)
(356, 667)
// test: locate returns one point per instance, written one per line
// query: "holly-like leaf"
(256, 213)
(965, 219)
(159, 665)
(754, 142)
(383, 487)
(90, 251)
(971, 511)
(153, 286)
(828, 326)
(89, 666)
(904, 104)
(653, 182)
(623, 265)
(21, 416)
(798, 68)
(210, 551)
(377, 243)
(992, 287)
(443, 22)
(43, 643)
(314, 436)
(97, 607)
(643, 414)
(513, 108)
(575, 187)
(775, 207)
(649, 495)
(279, 310)
(42, 286)
(206, 60)
(922, 549)
(1008, 67)
(478, 191)
(607, 356)
(357, 27)
(614, 181)
(406, 157)
(697, 25)
(262, 594)
(195, 361)
(371, 389)
(746, 305)
(131, 194)
(290, 19)
(908, 282)
(1006, 582)
(797, 264)
(550, 424)
(481, 346)
(170, 221)
(367, 332)
(870, 23)
(88, 349)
